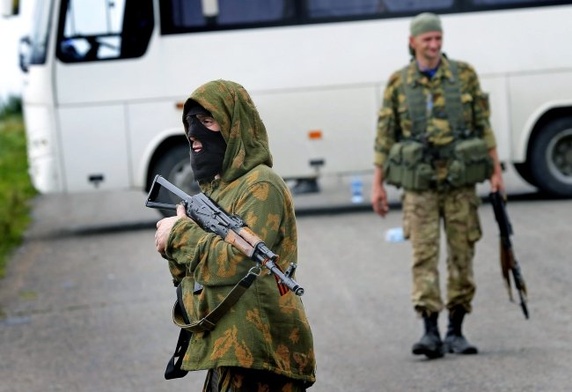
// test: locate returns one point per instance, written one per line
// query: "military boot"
(454, 341)
(430, 344)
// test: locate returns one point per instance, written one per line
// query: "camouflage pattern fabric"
(227, 379)
(263, 330)
(422, 216)
(424, 211)
(394, 122)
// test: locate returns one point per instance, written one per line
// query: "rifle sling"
(208, 322)
(173, 369)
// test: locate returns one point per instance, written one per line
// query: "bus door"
(96, 75)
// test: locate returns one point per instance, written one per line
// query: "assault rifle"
(231, 228)
(509, 264)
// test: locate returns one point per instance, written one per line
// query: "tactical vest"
(417, 104)
(411, 161)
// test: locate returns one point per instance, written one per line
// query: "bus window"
(205, 15)
(509, 2)
(187, 14)
(417, 5)
(254, 11)
(357, 8)
(104, 30)
(342, 8)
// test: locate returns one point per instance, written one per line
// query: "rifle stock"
(231, 228)
(509, 264)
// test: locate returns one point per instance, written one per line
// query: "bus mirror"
(24, 53)
(9, 7)
(210, 8)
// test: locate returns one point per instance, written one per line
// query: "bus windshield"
(94, 30)
(39, 36)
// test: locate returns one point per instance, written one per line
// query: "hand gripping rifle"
(231, 228)
(509, 264)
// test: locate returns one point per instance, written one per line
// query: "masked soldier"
(435, 141)
(264, 341)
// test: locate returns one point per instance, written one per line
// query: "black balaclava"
(207, 163)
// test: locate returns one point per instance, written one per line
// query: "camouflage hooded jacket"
(394, 122)
(263, 330)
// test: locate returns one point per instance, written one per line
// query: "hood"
(241, 126)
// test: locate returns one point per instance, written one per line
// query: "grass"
(16, 189)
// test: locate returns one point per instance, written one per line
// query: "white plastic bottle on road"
(356, 188)
(394, 234)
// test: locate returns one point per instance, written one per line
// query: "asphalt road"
(86, 303)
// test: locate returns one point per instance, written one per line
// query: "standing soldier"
(263, 342)
(435, 141)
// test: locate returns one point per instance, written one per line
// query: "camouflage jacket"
(263, 330)
(394, 122)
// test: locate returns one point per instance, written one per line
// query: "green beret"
(424, 23)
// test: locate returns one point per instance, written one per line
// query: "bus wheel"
(175, 166)
(523, 170)
(551, 158)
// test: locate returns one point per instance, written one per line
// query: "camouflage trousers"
(234, 379)
(423, 213)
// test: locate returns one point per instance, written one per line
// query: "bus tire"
(175, 166)
(523, 170)
(551, 158)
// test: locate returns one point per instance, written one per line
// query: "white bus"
(105, 81)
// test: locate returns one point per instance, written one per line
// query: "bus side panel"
(496, 88)
(347, 128)
(149, 123)
(44, 167)
(533, 95)
(95, 145)
(345, 116)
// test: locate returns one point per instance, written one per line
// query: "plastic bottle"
(357, 190)
(394, 234)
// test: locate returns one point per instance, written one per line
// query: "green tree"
(16, 189)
